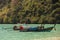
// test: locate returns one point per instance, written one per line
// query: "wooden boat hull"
(40, 30)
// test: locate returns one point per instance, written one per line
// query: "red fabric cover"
(21, 28)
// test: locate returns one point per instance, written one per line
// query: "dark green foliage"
(36, 11)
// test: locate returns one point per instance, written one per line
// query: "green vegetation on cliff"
(37, 11)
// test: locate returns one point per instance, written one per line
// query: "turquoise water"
(10, 34)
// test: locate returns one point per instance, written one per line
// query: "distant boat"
(37, 30)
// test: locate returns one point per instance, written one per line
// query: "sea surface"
(7, 33)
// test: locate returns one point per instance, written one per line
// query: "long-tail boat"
(36, 29)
